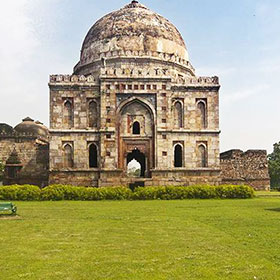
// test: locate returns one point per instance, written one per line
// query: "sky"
(239, 41)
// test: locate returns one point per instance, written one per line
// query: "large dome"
(132, 29)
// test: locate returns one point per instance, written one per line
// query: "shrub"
(62, 192)
(65, 192)
(193, 192)
(16, 192)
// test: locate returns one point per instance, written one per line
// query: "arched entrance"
(136, 135)
(139, 157)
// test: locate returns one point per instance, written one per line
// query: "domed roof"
(6, 129)
(29, 126)
(132, 28)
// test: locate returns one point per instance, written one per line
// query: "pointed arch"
(178, 155)
(136, 129)
(202, 156)
(178, 114)
(68, 114)
(92, 114)
(202, 113)
(68, 156)
(93, 156)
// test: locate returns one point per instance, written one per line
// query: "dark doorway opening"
(136, 128)
(139, 157)
(135, 185)
(178, 156)
(93, 159)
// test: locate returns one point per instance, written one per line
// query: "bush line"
(64, 192)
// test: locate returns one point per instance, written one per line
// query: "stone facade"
(25, 152)
(250, 168)
(134, 97)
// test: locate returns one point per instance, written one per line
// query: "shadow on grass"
(273, 209)
(9, 217)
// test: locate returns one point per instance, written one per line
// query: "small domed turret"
(28, 126)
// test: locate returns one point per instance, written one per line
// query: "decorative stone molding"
(136, 54)
(74, 79)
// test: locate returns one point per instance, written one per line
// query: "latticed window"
(202, 114)
(92, 114)
(202, 156)
(68, 156)
(178, 115)
(68, 114)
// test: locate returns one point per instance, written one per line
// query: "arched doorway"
(178, 156)
(93, 156)
(140, 158)
(136, 135)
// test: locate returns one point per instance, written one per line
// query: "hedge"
(64, 192)
(16, 192)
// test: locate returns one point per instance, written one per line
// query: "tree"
(274, 166)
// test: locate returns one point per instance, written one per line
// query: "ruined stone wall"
(249, 168)
(33, 155)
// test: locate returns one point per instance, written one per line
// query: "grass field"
(193, 239)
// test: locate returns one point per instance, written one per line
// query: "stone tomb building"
(134, 95)
(24, 150)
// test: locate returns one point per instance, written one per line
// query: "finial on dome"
(135, 4)
(28, 119)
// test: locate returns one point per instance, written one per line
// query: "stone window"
(108, 136)
(148, 87)
(202, 156)
(163, 94)
(136, 128)
(117, 87)
(164, 154)
(68, 156)
(164, 87)
(178, 114)
(68, 114)
(108, 86)
(178, 155)
(155, 87)
(136, 87)
(11, 172)
(93, 156)
(202, 112)
(163, 108)
(92, 114)
(142, 87)
(163, 120)
(164, 136)
(130, 87)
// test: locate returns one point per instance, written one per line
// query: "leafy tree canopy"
(274, 166)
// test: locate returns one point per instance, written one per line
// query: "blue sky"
(239, 41)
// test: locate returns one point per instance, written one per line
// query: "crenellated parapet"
(72, 79)
(197, 80)
(135, 72)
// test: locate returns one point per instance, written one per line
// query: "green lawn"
(193, 239)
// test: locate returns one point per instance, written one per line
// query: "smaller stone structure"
(250, 168)
(24, 150)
